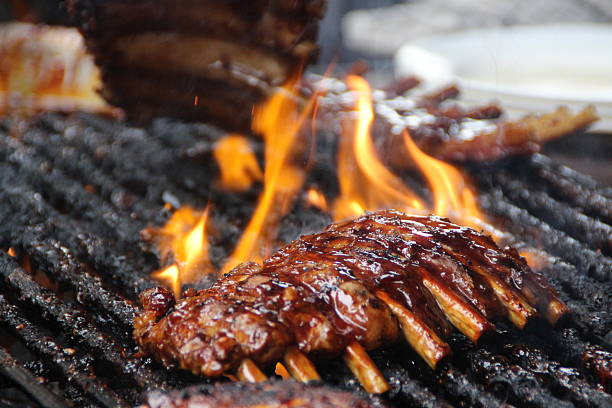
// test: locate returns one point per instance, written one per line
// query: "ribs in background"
(215, 60)
(363, 282)
(46, 68)
(212, 60)
(278, 394)
(442, 127)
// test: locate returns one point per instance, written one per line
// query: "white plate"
(528, 68)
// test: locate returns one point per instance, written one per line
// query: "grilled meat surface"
(280, 394)
(446, 129)
(45, 68)
(212, 59)
(366, 280)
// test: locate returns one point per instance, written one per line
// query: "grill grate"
(75, 192)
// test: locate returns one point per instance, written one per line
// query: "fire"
(452, 193)
(535, 258)
(316, 199)
(183, 240)
(279, 121)
(170, 277)
(365, 182)
(237, 163)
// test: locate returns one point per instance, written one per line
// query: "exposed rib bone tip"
(555, 311)
(282, 371)
(300, 366)
(362, 366)
(249, 372)
(461, 314)
(421, 337)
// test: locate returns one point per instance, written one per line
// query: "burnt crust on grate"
(48, 216)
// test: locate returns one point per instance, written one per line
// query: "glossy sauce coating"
(354, 282)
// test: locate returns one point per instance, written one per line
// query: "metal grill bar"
(78, 325)
(96, 251)
(539, 234)
(496, 371)
(71, 197)
(570, 190)
(587, 298)
(462, 387)
(569, 175)
(48, 214)
(10, 368)
(80, 166)
(69, 365)
(46, 253)
(571, 347)
(570, 381)
(593, 233)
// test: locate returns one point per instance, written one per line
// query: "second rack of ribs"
(366, 281)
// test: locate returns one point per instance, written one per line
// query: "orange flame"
(170, 277)
(183, 239)
(316, 198)
(535, 258)
(279, 120)
(365, 182)
(237, 163)
(452, 193)
(26, 264)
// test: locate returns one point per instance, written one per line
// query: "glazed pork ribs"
(356, 286)
(197, 59)
(279, 394)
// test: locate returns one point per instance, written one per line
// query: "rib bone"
(300, 366)
(249, 372)
(422, 338)
(362, 366)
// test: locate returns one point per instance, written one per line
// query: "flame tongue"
(452, 194)
(365, 183)
(280, 121)
(237, 163)
(183, 241)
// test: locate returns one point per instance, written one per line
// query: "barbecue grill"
(78, 189)
(81, 193)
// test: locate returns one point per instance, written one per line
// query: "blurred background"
(374, 30)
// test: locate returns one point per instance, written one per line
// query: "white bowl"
(529, 69)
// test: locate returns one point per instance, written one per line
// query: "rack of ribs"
(356, 286)
(211, 60)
